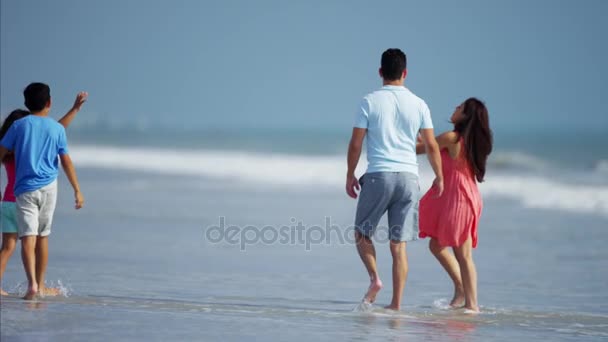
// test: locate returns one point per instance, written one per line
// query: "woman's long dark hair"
(12, 117)
(475, 130)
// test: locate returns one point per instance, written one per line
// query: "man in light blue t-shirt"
(391, 119)
(38, 143)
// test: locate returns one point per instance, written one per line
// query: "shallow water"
(238, 318)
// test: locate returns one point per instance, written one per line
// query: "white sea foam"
(533, 191)
(537, 192)
(283, 170)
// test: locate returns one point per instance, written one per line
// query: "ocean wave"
(542, 193)
(328, 172)
(601, 167)
(267, 168)
(517, 160)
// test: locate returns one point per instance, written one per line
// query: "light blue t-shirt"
(37, 142)
(393, 116)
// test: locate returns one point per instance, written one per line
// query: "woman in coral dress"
(451, 220)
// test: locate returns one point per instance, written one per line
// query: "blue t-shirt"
(36, 142)
(393, 116)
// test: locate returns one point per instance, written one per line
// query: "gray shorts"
(35, 211)
(395, 192)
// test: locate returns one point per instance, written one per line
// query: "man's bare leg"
(28, 255)
(450, 264)
(367, 252)
(400, 269)
(9, 241)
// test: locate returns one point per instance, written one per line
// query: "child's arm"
(69, 116)
(70, 172)
(3, 153)
(444, 140)
(7, 144)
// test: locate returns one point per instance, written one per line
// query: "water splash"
(442, 304)
(64, 290)
(364, 306)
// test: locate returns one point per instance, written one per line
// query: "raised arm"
(354, 152)
(432, 151)
(69, 116)
(70, 172)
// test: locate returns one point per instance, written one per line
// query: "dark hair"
(475, 130)
(36, 95)
(12, 117)
(393, 64)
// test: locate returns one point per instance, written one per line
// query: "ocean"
(246, 234)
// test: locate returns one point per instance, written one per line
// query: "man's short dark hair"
(393, 64)
(36, 95)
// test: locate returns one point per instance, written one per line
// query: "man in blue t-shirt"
(391, 118)
(37, 141)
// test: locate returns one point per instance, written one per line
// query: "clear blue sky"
(191, 63)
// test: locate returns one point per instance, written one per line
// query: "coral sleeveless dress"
(452, 218)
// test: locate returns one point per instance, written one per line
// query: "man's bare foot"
(49, 291)
(32, 292)
(393, 307)
(458, 299)
(374, 287)
(3, 293)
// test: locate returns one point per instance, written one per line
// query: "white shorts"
(35, 211)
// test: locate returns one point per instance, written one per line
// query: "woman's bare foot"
(458, 299)
(3, 293)
(32, 292)
(374, 287)
(392, 307)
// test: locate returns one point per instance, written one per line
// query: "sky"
(190, 64)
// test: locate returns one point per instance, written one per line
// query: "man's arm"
(444, 140)
(432, 151)
(69, 116)
(70, 172)
(354, 152)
